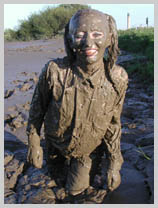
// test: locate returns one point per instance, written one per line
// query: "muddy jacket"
(78, 112)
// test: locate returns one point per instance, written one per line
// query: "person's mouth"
(91, 52)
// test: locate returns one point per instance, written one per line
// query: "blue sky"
(13, 13)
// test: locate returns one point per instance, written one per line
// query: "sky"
(13, 13)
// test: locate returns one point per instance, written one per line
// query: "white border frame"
(155, 2)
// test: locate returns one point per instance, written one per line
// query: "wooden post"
(128, 21)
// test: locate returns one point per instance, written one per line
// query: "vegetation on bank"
(139, 42)
(45, 24)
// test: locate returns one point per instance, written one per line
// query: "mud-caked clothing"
(78, 112)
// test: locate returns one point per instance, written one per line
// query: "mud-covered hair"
(67, 42)
(112, 50)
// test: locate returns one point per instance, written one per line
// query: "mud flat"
(25, 184)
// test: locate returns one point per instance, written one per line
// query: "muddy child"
(79, 98)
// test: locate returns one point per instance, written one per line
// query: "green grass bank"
(139, 42)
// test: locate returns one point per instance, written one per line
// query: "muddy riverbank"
(25, 184)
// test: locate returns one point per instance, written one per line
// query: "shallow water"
(32, 60)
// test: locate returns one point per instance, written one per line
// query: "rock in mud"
(9, 117)
(17, 122)
(91, 196)
(37, 177)
(34, 187)
(12, 171)
(41, 196)
(35, 73)
(8, 156)
(34, 79)
(12, 108)
(26, 106)
(16, 82)
(60, 50)
(10, 197)
(60, 193)
(95, 196)
(8, 93)
(25, 87)
(24, 73)
(51, 183)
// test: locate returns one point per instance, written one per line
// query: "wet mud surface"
(27, 185)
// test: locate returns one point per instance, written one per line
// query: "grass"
(139, 42)
(143, 153)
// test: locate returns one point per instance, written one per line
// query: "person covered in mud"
(79, 98)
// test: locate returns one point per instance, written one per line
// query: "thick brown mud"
(25, 184)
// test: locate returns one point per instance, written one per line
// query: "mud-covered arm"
(40, 101)
(112, 138)
(113, 134)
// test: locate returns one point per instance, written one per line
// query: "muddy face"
(90, 36)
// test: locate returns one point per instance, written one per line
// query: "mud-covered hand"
(35, 152)
(113, 179)
(35, 156)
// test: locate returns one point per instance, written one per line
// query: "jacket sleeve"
(113, 133)
(40, 101)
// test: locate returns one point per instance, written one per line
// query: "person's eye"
(97, 35)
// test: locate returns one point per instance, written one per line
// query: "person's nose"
(88, 41)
